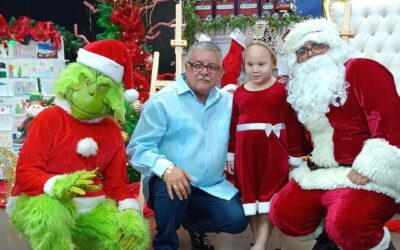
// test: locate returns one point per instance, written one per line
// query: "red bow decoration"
(20, 29)
(4, 29)
(128, 18)
(142, 85)
(43, 31)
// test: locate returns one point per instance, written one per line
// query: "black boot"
(391, 246)
(324, 243)
(200, 241)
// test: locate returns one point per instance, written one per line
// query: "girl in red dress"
(258, 151)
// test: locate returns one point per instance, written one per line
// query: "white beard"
(317, 83)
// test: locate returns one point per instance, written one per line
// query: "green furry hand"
(133, 231)
(78, 183)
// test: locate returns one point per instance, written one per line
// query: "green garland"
(221, 25)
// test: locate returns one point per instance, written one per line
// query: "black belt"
(312, 166)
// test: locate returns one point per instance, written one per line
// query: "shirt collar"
(183, 87)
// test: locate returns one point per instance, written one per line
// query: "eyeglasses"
(197, 67)
(316, 49)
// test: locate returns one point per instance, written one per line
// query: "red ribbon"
(20, 29)
(4, 29)
(128, 18)
(43, 31)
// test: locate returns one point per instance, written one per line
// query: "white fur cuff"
(49, 185)
(129, 204)
(295, 161)
(380, 162)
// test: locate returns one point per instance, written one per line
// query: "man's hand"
(78, 183)
(178, 181)
(230, 166)
(357, 178)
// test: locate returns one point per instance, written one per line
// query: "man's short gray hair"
(206, 46)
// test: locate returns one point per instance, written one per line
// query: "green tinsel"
(71, 43)
(112, 31)
(224, 24)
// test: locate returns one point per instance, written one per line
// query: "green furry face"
(87, 98)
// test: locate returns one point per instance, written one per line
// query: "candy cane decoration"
(151, 30)
(145, 8)
(91, 7)
(82, 37)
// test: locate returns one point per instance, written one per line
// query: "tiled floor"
(10, 239)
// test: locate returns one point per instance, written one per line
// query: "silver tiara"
(262, 33)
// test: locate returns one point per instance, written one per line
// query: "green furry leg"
(45, 221)
(96, 229)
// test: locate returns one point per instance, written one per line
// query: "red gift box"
(225, 8)
(205, 9)
(248, 7)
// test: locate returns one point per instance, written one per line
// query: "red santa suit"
(59, 144)
(258, 139)
(363, 134)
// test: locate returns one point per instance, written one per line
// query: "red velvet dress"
(259, 140)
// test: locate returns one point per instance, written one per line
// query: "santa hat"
(232, 62)
(316, 30)
(111, 58)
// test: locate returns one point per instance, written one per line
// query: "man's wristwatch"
(167, 172)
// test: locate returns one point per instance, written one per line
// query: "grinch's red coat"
(51, 149)
(363, 133)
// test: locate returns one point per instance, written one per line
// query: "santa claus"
(345, 178)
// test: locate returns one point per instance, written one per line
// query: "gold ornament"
(8, 163)
(125, 136)
(137, 105)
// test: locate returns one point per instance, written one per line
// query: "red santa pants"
(354, 218)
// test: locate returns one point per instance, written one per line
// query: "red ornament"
(21, 28)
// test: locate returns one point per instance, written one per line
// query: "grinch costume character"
(348, 182)
(71, 182)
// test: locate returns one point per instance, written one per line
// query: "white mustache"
(203, 79)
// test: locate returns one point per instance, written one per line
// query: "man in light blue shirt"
(180, 144)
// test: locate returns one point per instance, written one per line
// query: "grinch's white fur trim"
(321, 133)
(264, 207)
(101, 63)
(87, 147)
(87, 204)
(384, 244)
(230, 156)
(295, 161)
(129, 204)
(64, 104)
(84, 204)
(10, 205)
(313, 235)
(380, 162)
(49, 185)
(131, 95)
(333, 178)
(250, 209)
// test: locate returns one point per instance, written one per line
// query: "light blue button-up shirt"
(175, 127)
